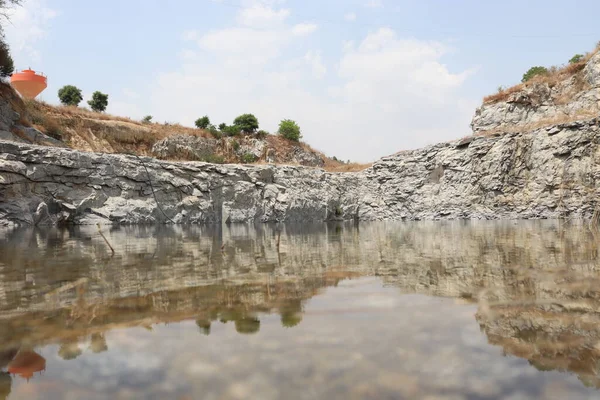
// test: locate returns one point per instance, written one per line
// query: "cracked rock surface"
(547, 173)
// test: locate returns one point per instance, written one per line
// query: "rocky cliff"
(547, 173)
(572, 92)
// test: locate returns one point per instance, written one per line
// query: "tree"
(6, 62)
(147, 119)
(202, 123)
(246, 123)
(576, 58)
(222, 126)
(99, 101)
(534, 71)
(70, 95)
(290, 130)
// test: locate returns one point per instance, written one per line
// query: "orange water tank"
(29, 83)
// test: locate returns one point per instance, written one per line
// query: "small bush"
(232, 130)
(534, 71)
(214, 131)
(235, 145)
(99, 101)
(147, 119)
(222, 126)
(576, 58)
(261, 134)
(214, 159)
(248, 158)
(246, 123)
(202, 123)
(290, 130)
(70, 95)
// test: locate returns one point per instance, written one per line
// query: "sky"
(363, 78)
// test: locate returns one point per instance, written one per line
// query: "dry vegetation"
(91, 131)
(554, 76)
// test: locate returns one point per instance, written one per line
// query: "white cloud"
(28, 25)
(313, 59)
(304, 29)
(350, 16)
(375, 97)
(374, 3)
(259, 15)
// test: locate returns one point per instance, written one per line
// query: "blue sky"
(363, 78)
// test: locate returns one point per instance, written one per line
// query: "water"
(480, 310)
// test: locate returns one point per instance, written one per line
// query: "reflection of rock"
(539, 280)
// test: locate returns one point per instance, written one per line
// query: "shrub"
(248, 158)
(290, 130)
(99, 101)
(235, 145)
(576, 58)
(214, 159)
(202, 123)
(147, 119)
(534, 71)
(70, 95)
(246, 123)
(261, 134)
(232, 130)
(222, 126)
(214, 131)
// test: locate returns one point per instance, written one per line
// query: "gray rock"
(528, 175)
(185, 146)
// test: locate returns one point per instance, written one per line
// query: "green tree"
(222, 126)
(99, 101)
(290, 130)
(576, 58)
(247, 325)
(246, 123)
(70, 95)
(6, 62)
(147, 119)
(202, 123)
(534, 71)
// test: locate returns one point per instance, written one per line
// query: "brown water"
(481, 310)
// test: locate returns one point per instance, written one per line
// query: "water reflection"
(535, 284)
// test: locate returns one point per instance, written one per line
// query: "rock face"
(547, 173)
(185, 146)
(577, 94)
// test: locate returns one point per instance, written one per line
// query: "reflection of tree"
(5, 385)
(291, 313)
(204, 325)
(69, 350)
(98, 344)
(247, 325)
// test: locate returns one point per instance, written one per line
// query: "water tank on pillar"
(29, 83)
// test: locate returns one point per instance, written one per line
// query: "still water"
(432, 310)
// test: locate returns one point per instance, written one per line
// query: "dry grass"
(335, 166)
(554, 76)
(88, 130)
(562, 119)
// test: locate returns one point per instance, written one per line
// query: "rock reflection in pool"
(330, 311)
